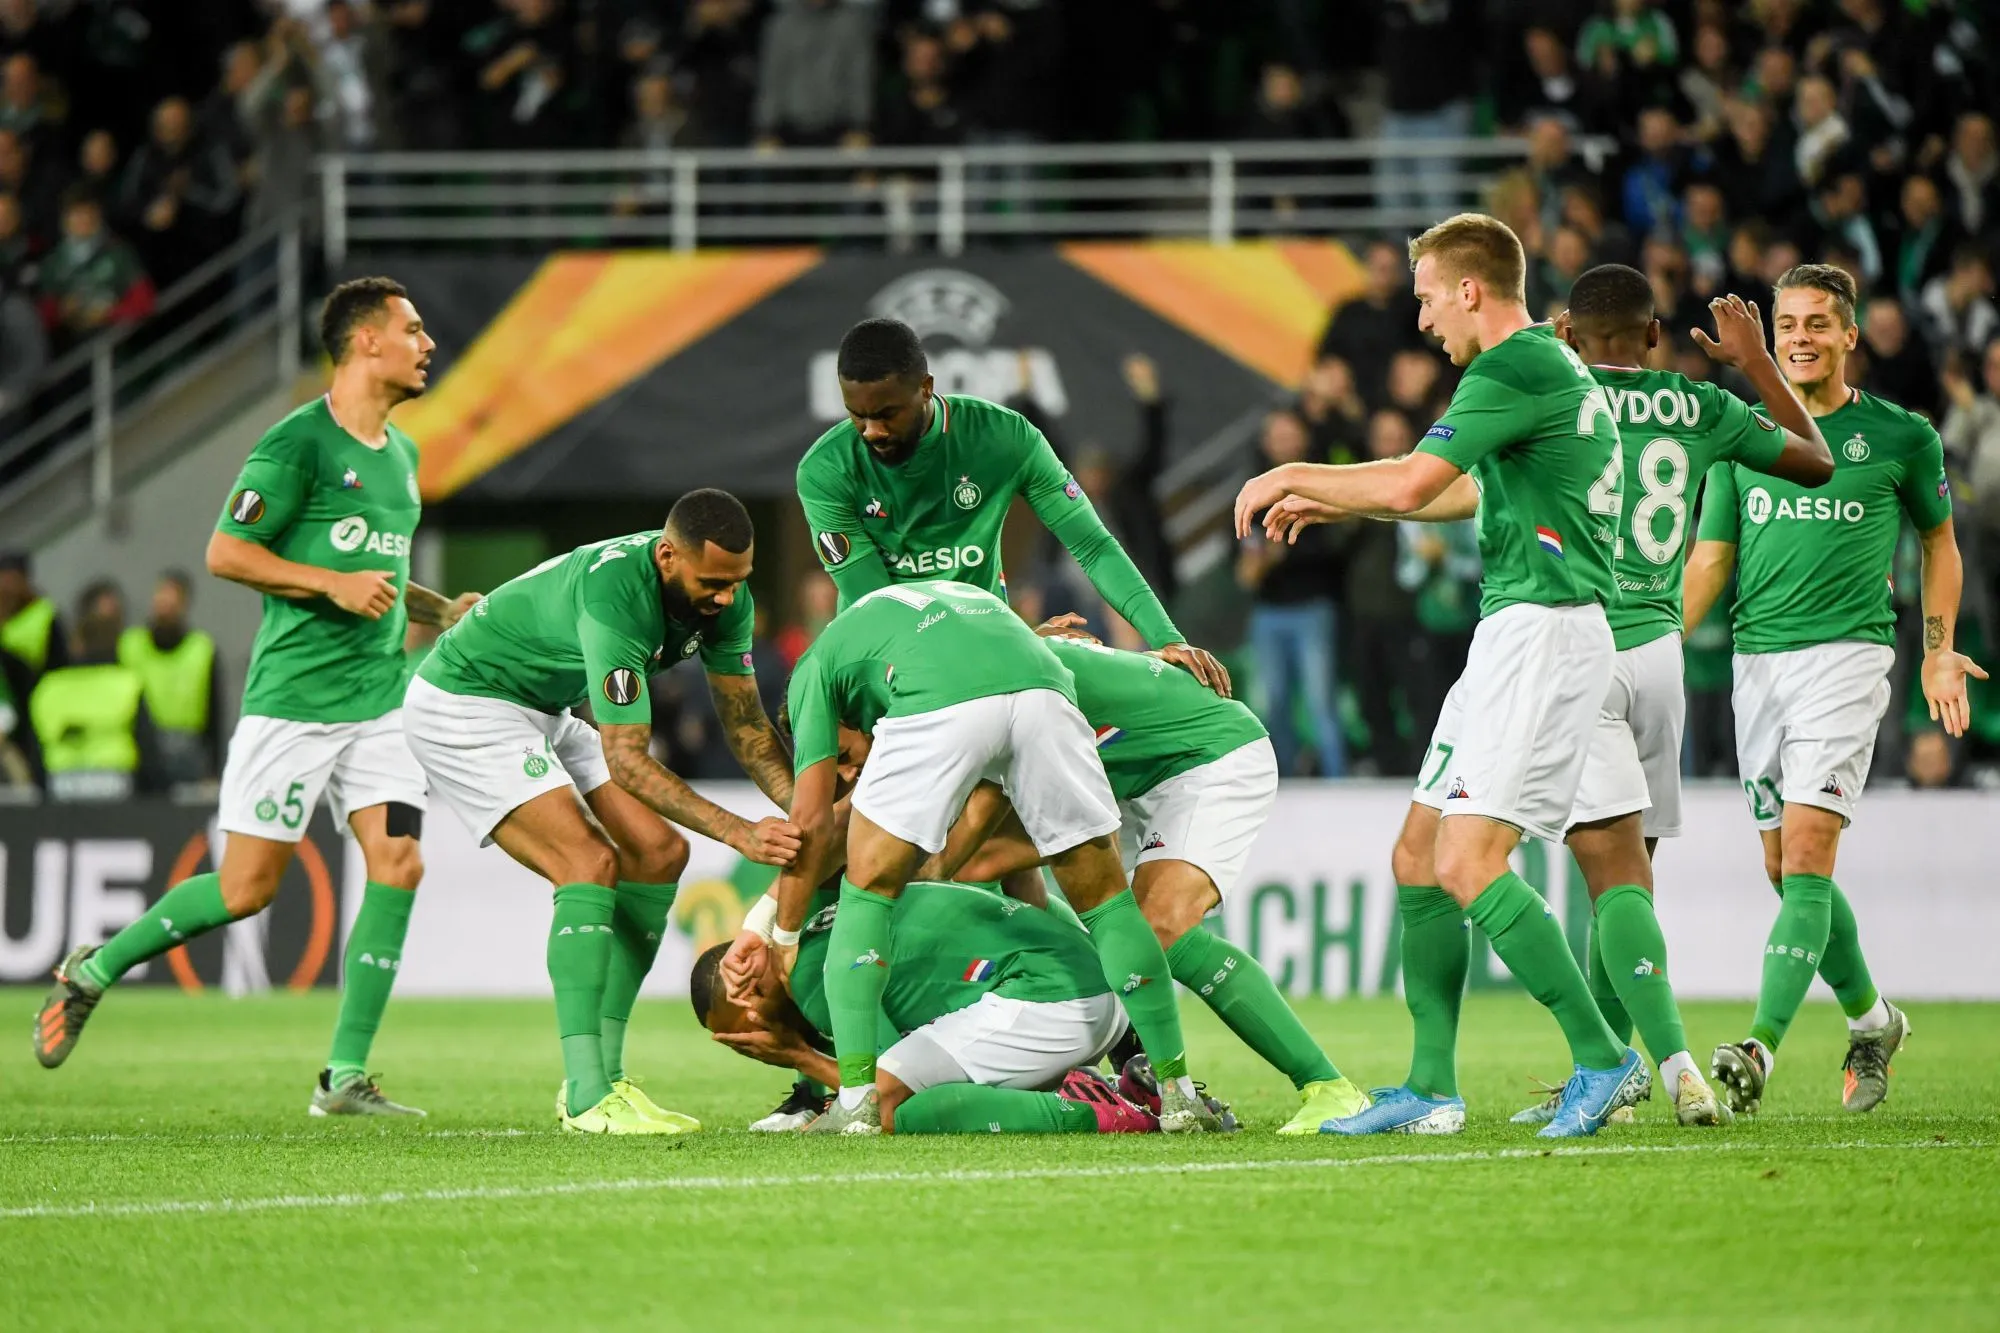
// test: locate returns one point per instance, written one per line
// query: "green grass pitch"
(168, 1178)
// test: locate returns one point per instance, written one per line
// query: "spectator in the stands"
(1651, 180)
(183, 688)
(1959, 314)
(251, 77)
(1704, 236)
(24, 351)
(180, 192)
(1610, 241)
(1929, 763)
(1334, 412)
(23, 108)
(816, 75)
(1840, 213)
(97, 164)
(1823, 131)
(717, 55)
(1708, 81)
(920, 110)
(1552, 275)
(1416, 385)
(1134, 507)
(525, 60)
(91, 280)
(354, 71)
(1371, 328)
(1552, 167)
(16, 252)
(1420, 105)
(1900, 369)
(1552, 88)
(1924, 241)
(289, 139)
(35, 180)
(31, 629)
(815, 599)
(1006, 68)
(1293, 622)
(657, 118)
(1775, 79)
(1380, 622)
(1283, 109)
(1971, 432)
(98, 741)
(1973, 172)
(1751, 165)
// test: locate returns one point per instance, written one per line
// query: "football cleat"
(1545, 1110)
(1866, 1069)
(1695, 1103)
(355, 1096)
(800, 1108)
(1333, 1099)
(1736, 1066)
(628, 1088)
(1114, 1114)
(1591, 1095)
(864, 1118)
(1178, 1113)
(613, 1115)
(60, 1021)
(1401, 1111)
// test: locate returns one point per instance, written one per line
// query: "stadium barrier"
(1317, 905)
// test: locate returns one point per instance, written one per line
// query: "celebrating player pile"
(490, 720)
(319, 521)
(1813, 628)
(1541, 441)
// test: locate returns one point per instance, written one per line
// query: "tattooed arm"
(627, 753)
(434, 608)
(752, 738)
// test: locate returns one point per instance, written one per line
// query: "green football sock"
(968, 1108)
(190, 908)
(579, 956)
(367, 974)
(857, 968)
(1635, 957)
(1059, 906)
(638, 924)
(1525, 935)
(1842, 965)
(1792, 954)
(1243, 996)
(1136, 966)
(1601, 988)
(1437, 954)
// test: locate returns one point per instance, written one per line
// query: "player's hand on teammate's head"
(771, 841)
(747, 968)
(1068, 625)
(460, 606)
(1206, 668)
(368, 593)
(1944, 676)
(1739, 332)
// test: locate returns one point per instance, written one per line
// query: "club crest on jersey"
(350, 480)
(966, 494)
(267, 808)
(622, 686)
(1457, 791)
(246, 506)
(536, 766)
(980, 969)
(1551, 541)
(834, 548)
(687, 649)
(875, 508)
(1856, 449)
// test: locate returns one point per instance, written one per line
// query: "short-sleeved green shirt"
(913, 648)
(1536, 433)
(314, 494)
(1813, 565)
(1153, 720)
(586, 626)
(951, 944)
(939, 512)
(1673, 429)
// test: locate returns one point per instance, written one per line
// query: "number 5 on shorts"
(1443, 753)
(295, 810)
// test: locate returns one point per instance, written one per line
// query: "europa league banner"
(72, 874)
(619, 373)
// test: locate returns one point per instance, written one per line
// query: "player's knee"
(248, 894)
(592, 863)
(1774, 866)
(1463, 871)
(1413, 862)
(396, 862)
(659, 859)
(1173, 907)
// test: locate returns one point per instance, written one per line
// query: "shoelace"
(1865, 1059)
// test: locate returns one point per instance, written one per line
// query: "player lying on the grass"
(319, 521)
(1815, 627)
(990, 1014)
(955, 689)
(1539, 438)
(491, 719)
(916, 485)
(1195, 780)
(1630, 793)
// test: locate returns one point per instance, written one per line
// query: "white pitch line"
(329, 1135)
(501, 1193)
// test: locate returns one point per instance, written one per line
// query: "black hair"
(705, 981)
(350, 305)
(1616, 295)
(179, 578)
(709, 515)
(881, 349)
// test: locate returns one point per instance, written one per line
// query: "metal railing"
(905, 197)
(249, 292)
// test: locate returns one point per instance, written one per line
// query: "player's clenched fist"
(770, 842)
(366, 592)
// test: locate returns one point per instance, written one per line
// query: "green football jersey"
(588, 625)
(913, 648)
(314, 494)
(1153, 720)
(1812, 566)
(1673, 429)
(951, 944)
(1537, 435)
(939, 513)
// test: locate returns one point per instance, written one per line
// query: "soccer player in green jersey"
(1195, 779)
(1814, 629)
(490, 718)
(916, 485)
(954, 689)
(1538, 436)
(319, 521)
(994, 1012)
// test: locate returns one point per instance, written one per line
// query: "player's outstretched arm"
(628, 754)
(1707, 574)
(1384, 488)
(1945, 669)
(1067, 512)
(426, 607)
(1739, 342)
(367, 592)
(752, 738)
